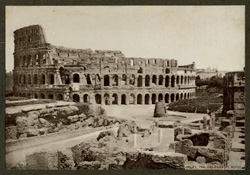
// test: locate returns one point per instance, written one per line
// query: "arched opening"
(131, 62)
(123, 100)
(106, 80)
(167, 81)
(44, 59)
(177, 79)
(139, 82)
(147, 98)
(181, 79)
(139, 99)
(160, 97)
(29, 79)
(160, 80)
(88, 78)
(181, 96)
(86, 98)
(132, 99)
(185, 80)
(76, 98)
(167, 71)
(98, 99)
(172, 97)
(20, 79)
(177, 97)
(124, 79)
(51, 96)
(185, 96)
(188, 95)
(114, 99)
(172, 81)
(59, 97)
(24, 79)
(154, 79)
(132, 79)
(166, 98)
(42, 96)
(24, 95)
(115, 80)
(140, 70)
(97, 79)
(29, 61)
(37, 60)
(29, 95)
(76, 78)
(188, 80)
(67, 80)
(51, 79)
(147, 81)
(24, 61)
(35, 96)
(35, 79)
(153, 98)
(106, 99)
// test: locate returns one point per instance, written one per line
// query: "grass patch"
(209, 98)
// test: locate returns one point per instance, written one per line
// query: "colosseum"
(107, 77)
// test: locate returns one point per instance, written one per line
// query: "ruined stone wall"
(101, 76)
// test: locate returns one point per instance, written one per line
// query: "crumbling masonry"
(42, 70)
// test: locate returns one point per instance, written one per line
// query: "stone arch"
(132, 99)
(106, 80)
(88, 78)
(185, 95)
(167, 71)
(123, 99)
(181, 96)
(20, 79)
(181, 79)
(24, 94)
(28, 95)
(115, 80)
(178, 79)
(124, 79)
(185, 80)
(76, 78)
(147, 99)
(98, 98)
(160, 97)
(24, 79)
(154, 79)
(51, 96)
(114, 99)
(24, 61)
(177, 96)
(167, 81)
(51, 79)
(147, 81)
(86, 98)
(42, 96)
(139, 82)
(35, 95)
(42, 79)
(166, 98)
(106, 99)
(153, 99)
(59, 97)
(29, 79)
(172, 97)
(29, 61)
(160, 80)
(37, 60)
(35, 79)
(132, 79)
(172, 81)
(139, 99)
(76, 98)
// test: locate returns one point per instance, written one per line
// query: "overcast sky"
(211, 36)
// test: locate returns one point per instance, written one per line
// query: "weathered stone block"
(212, 154)
(201, 160)
(11, 132)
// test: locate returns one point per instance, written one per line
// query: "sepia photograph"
(125, 87)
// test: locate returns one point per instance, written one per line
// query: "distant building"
(208, 73)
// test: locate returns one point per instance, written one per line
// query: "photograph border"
(4, 3)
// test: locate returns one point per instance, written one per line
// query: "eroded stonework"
(42, 70)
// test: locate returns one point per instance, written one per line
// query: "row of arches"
(126, 99)
(34, 79)
(51, 96)
(30, 60)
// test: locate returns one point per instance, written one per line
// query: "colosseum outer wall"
(42, 70)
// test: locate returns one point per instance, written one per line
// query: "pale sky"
(211, 36)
